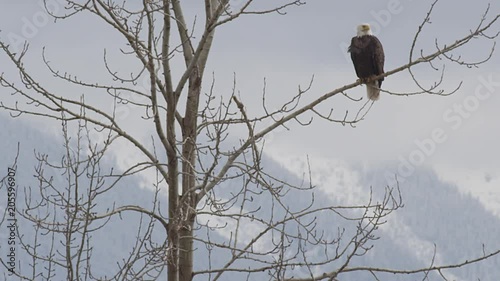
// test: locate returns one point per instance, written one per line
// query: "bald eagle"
(368, 58)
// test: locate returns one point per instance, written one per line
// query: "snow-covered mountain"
(481, 184)
(438, 220)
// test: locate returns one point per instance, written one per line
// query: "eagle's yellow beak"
(365, 27)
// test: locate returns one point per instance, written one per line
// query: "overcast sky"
(312, 40)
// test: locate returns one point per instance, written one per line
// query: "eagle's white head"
(364, 29)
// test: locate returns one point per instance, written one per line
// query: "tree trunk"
(188, 201)
(186, 249)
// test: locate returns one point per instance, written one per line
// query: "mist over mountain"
(437, 223)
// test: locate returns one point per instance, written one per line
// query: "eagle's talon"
(370, 79)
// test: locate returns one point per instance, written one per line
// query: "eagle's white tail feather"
(372, 90)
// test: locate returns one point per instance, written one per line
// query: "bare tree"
(193, 160)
